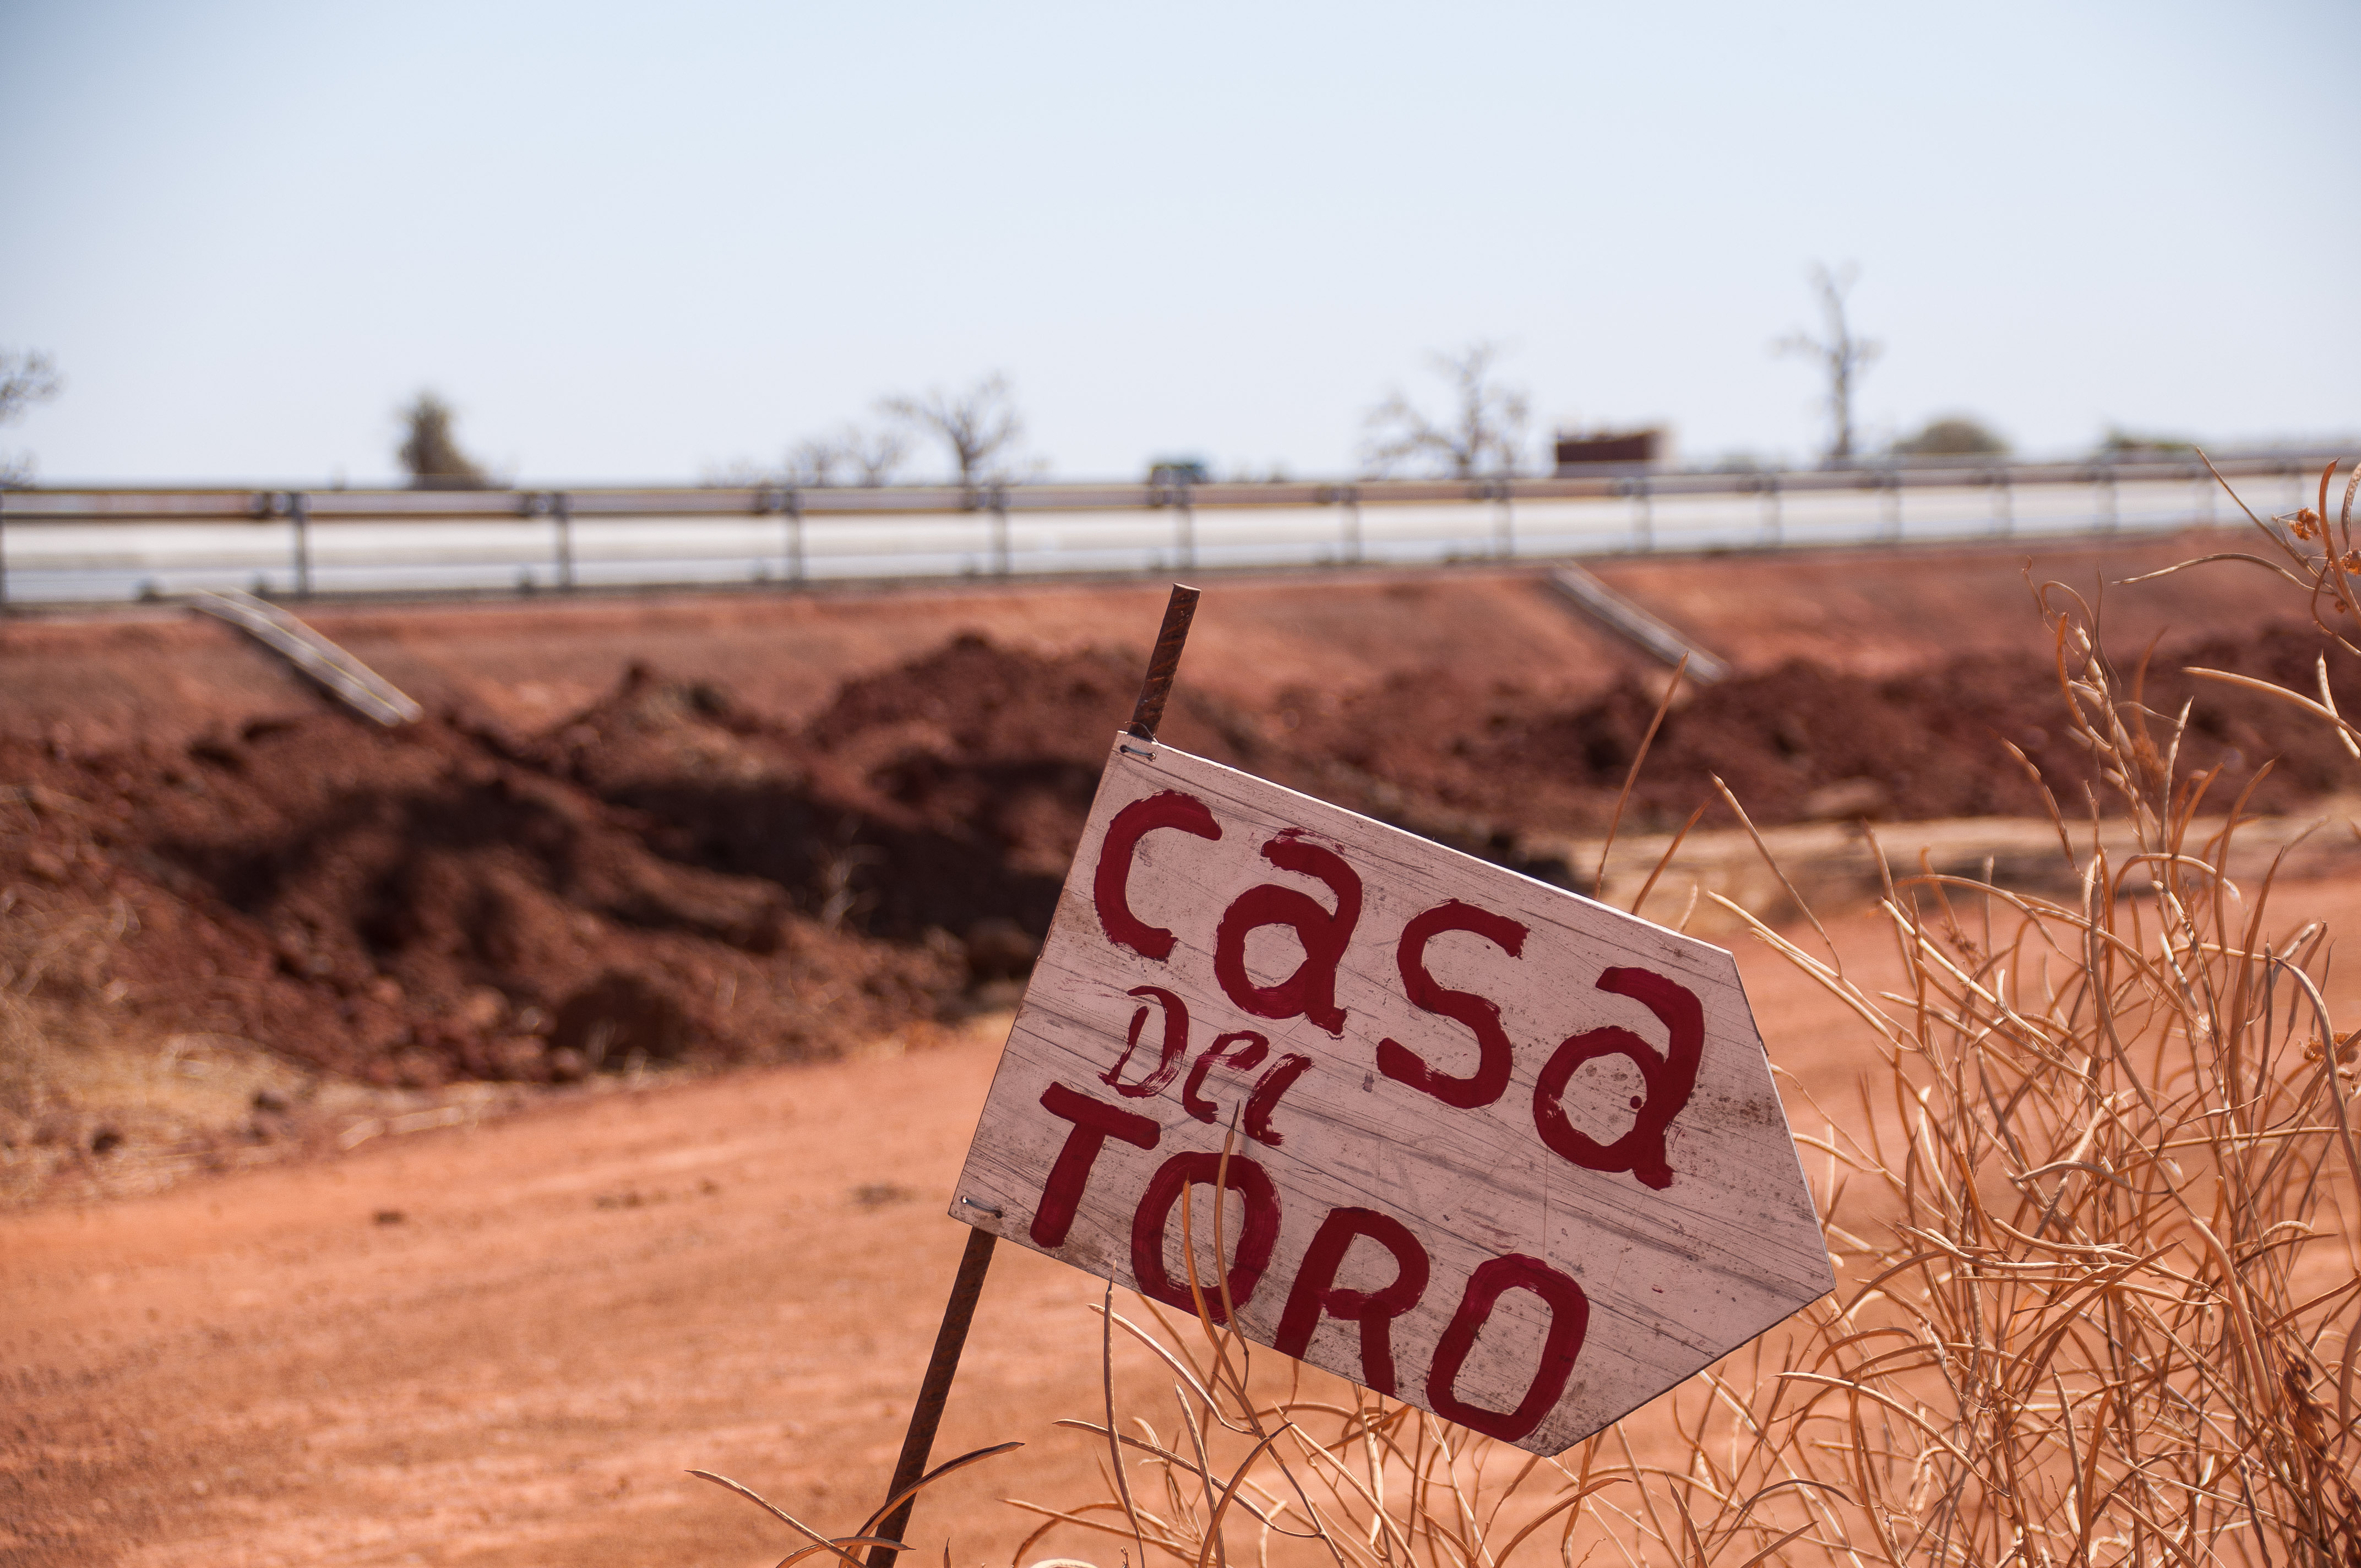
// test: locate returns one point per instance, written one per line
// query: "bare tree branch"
(851, 456)
(976, 425)
(1844, 356)
(27, 377)
(813, 463)
(1485, 435)
(875, 454)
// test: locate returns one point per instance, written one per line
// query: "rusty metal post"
(959, 1312)
(935, 1389)
(1147, 713)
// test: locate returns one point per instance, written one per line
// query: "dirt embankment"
(668, 876)
(1803, 741)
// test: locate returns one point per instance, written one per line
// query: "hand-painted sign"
(1499, 1151)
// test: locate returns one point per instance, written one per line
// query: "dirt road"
(506, 1345)
(739, 1274)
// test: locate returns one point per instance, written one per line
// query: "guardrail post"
(2108, 518)
(2004, 502)
(530, 503)
(768, 499)
(1348, 548)
(299, 512)
(791, 505)
(1773, 525)
(2205, 488)
(561, 512)
(1891, 481)
(1644, 513)
(795, 534)
(1184, 526)
(1504, 527)
(997, 500)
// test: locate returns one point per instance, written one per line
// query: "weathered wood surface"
(1591, 1227)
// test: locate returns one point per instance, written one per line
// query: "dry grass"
(2098, 1220)
(59, 1059)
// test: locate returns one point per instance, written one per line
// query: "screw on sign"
(1501, 1151)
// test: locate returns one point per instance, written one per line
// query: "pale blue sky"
(643, 241)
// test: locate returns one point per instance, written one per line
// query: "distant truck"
(1180, 471)
(1580, 456)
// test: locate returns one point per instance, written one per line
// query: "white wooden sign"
(1501, 1151)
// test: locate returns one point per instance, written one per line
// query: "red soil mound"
(661, 878)
(941, 796)
(667, 876)
(1803, 741)
(411, 905)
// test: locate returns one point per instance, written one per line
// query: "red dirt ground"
(739, 1274)
(638, 834)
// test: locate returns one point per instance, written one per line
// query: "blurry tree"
(875, 454)
(738, 474)
(854, 455)
(1952, 435)
(430, 453)
(1844, 356)
(2121, 443)
(27, 377)
(977, 425)
(1484, 435)
(813, 463)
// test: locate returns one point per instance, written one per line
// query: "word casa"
(1309, 992)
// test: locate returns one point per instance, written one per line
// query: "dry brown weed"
(2098, 1218)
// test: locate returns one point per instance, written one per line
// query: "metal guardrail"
(345, 677)
(1619, 513)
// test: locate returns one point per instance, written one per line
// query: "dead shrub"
(2100, 1270)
